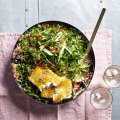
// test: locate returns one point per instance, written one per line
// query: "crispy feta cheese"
(48, 92)
(51, 85)
(44, 77)
(62, 91)
(54, 84)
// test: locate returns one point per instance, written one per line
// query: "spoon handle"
(95, 31)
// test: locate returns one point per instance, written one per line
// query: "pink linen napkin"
(14, 104)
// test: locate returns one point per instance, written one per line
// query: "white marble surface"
(18, 15)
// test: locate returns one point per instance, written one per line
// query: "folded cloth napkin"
(14, 104)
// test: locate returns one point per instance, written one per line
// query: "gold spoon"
(94, 33)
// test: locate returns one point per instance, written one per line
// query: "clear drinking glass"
(101, 98)
(112, 76)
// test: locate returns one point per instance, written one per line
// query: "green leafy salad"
(56, 46)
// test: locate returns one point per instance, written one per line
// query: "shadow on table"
(20, 100)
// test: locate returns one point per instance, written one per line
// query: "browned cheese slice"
(44, 77)
(62, 91)
(51, 85)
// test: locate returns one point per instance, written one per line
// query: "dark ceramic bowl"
(34, 89)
